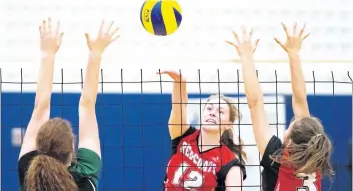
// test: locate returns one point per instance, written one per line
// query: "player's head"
(55, 147)
(308, 147)
(218, 116)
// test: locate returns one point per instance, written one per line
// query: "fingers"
(236, 37)
(162, 72)
(114, 38)
(57, 30)
(231, 43)
(114, 31)
(46, 28)
(294, 30)
(110, 27)
(41, 30)
(109, 33)
(250, 34)
(246, 36)
(280, 43)
(302, 30)
(285, 29)
(174, 75)
(101, 29)
(60, 38)
(49, 25)
(305, 36)
(106, 35)
(51, 36)
(87, 37)
(256, 43)
(171, 73)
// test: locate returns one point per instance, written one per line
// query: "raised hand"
(244, 46)
(104, 38)
(294, 39)
(176, 76)
(50, 40)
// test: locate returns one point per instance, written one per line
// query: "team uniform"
(85, 170)
(277, 177)
(191, 169)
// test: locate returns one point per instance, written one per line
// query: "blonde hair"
(227, 137)
(310, 148)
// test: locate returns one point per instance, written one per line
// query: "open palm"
(244, 46)
(104, 38)
(294, 38)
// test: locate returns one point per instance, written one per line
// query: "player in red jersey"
(204, 159)
(299, 162)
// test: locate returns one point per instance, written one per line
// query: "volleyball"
(161, 17)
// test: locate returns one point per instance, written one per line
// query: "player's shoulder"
(225, 149)
(191, 134)
(228, 160)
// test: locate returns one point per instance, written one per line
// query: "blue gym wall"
(135, 139)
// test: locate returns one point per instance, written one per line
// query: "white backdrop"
(205, 26)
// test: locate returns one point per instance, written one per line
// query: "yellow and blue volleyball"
(161, 17)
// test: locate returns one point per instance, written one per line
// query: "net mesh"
(133, 119)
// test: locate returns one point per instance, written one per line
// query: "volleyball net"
(133, 108)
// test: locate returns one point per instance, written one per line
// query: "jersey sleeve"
(87, 166)
(273, 145)
(229, 160)
(23, 165)
(176, 141)
(222, 174)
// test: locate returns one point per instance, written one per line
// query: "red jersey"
(190, 169)
(277, 177)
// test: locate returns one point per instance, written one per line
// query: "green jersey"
(85, 170)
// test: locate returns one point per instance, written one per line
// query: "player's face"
(215, 115)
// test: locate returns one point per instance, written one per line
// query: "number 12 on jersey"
(191, 178)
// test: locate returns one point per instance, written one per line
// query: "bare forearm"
(179, 95)
(179, 101)
(252, 86)
(91, 80)
(45, 82)
(297, 78)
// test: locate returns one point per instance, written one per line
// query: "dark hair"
(309, 150)
(228, 140)
(48, 170)
(227, 137)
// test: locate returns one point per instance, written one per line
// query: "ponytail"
(228, 139)
(316, 156)
(308, 157)
(46, 173)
